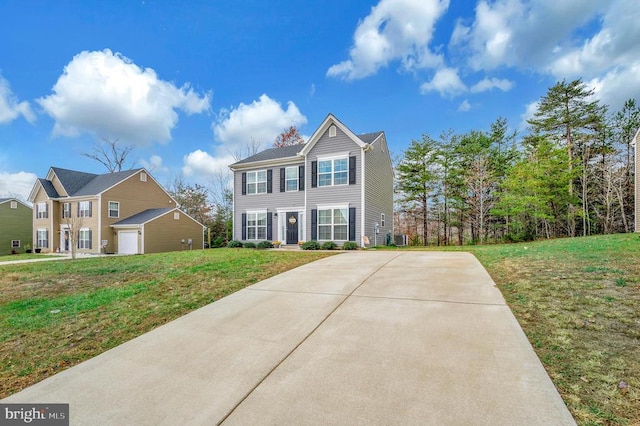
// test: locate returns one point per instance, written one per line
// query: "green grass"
(578, 301)
(56, 314)
(23, 256)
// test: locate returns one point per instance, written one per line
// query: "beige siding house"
(111, 213)
(337, 187)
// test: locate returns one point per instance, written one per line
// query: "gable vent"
(143, 177)
(332, 131)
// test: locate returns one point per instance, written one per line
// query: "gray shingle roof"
(369, 137)
(49, 188)
(80, 183)
(144, 216)
(273, 154)
(4, 200)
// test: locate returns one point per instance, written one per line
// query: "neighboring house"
(16, 225)
(336, 187)
(123, 212)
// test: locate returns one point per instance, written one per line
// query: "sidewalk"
(419, 338)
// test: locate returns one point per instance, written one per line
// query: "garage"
(127, 242)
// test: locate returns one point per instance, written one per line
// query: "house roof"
(144, 216)
(5, 200)
(79, 183)
(294, 150)
(272, 154)
(48, 188)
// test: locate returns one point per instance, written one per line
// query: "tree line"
(572, 174)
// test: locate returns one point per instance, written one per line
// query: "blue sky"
(190, 83)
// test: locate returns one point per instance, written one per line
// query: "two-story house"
(125, 212)
(337, 187)
(15, 225)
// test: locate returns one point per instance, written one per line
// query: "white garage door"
(128, 242)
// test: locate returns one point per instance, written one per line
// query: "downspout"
(307, 187)
(362, 187)
(99, 197)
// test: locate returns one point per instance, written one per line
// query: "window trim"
(117, 210)
(66, 210)
(40, 212)
(257, 182)
(46, 237)
(333, 170)
(382, 220)
(333, 225)
(84, 243)
(14, 245)
(256, 226)
(296, 173)
(84, 212)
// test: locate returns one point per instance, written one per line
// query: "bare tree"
(74, 225)
(110, 154)
(251, 148)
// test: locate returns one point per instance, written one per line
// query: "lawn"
(578, 301)
(56, 314)
(23, 256)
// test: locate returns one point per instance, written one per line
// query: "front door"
(66, 240)
(292, 228)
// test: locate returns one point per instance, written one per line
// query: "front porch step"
(290, 247)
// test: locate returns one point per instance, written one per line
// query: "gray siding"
(378, 190)
(344, 194)
(270, 202)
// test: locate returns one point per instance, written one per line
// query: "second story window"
(333, 172)
(41, 211)
(66, 210)
(84, 209)
(291, 178)
(257, 182)
(114, 209)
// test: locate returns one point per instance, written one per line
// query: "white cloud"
(618, 85)
(10, 108)
(520, 33)
(154, 164)
(107, 95)
(446, 82)
(394, 30)
(464, 106)
(17, 185)
(260, 121)
(528, 114)
(202, 164)
(487, 84)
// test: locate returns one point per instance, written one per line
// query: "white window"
(382, 217)
(333, 224)
(332, 131)
(143, 177)
(114, 209)
(176, 216)
(257, 226)
(84, 209)
(84, 238)
(15, 243)
(291, 177)
(333, 172)
(257, 182)
(66, 210)
(42, 238)
(42, 211)
(14, 204)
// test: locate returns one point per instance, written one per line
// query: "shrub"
(350, 245)
(329, 245)
(217, 242)
(310, 245)
(264, 245)
(249, 244)
(234, 244)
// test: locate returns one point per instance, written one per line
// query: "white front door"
(127, 242)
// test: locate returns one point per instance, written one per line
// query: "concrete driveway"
(359, 338)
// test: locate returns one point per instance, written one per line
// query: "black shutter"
(352, 170)
(314, 174)
(46, 211)
(90, 209)
(244, 184)
(301, 178)
(352, 223)
(314, 224)
(269, 225)
(78, 240)
(269, 181)
(244, 226)
(78, 215)
(282, 172)
(90, 239)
